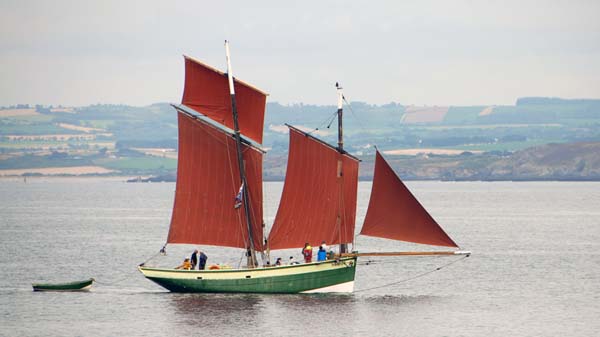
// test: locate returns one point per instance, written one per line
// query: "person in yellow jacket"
(307, 253)
(187, 265)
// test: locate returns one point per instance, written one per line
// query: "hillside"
(426, 142)
(574, 161)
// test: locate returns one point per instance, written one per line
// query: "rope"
(162, 251)
(361, 125)
(327, 122)
(241, 260)
(239, 216)
(110, 283)
(360, 122)
(114, 282)
(414, 277)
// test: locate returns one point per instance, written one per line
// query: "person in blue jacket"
(202, 260)
(194, 259)
(322, 254)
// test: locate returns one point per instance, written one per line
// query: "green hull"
(71, 286)
(326, 276)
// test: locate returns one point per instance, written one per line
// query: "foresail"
(208, 181)
(394, 212)
(207, 92)
(319, 196)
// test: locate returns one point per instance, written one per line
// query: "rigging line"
(239, 216)
(111, 283)
(360, 122)
(327, 122)
(161, 251)
(117, 281)
(414, 277)
(241, 259)
(208, 133)
(265, 215)
(353, 113)
(249, 201)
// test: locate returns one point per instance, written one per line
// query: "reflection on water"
(401, 299)
(316, 301)
(258, 311)
(213, 304)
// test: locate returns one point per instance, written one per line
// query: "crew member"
(307, 253)
(194, 259)
(202, 260)
(187, 265)
(322, 254)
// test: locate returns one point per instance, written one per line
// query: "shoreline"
(124, 178)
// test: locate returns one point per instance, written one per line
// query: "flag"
(239, 197)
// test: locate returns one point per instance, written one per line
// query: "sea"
(534, 268)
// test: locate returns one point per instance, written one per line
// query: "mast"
(238, 142)
(340, 112)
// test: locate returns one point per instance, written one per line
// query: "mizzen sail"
(208, 180)
(207, 92)
(394, 212)
(319, 196)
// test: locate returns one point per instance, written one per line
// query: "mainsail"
(394, 213)
(208, 172)
(208, 181)
(205, 210)
(319, 196)
(207, 92)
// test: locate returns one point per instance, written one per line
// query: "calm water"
(535, 270)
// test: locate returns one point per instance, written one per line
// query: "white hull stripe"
(346, 287)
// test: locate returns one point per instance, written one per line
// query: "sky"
(77, 53)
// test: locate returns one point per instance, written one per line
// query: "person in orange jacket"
(187, 265)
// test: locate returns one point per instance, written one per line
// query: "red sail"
(319, 196)
(207, 91)
(208, 180)
(394, 213)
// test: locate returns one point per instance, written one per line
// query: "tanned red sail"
(207, 92)
(394, 213)
(208, 180)
(319, 196)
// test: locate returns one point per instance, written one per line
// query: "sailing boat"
(218, 196)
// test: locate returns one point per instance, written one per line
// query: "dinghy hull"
(84, 285)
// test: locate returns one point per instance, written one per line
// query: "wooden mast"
(340, 112)
(238, 142)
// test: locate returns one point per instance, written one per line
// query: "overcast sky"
(410, 52)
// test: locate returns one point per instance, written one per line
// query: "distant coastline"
(536, 139)
(551, 162)
(129, 179)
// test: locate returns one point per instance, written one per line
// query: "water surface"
(535, 270)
